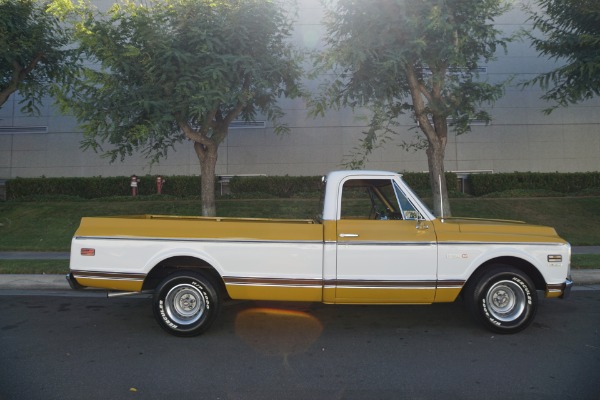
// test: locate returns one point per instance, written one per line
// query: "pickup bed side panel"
(253, 265)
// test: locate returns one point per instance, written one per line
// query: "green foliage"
(118, 188)
(34, 56)
(178, 186)
(568, 183)
(98, 187)
(165, 71)
(77, 187)
(387, 53)
(516, 184)
(570, 34)
(420, 183)
(416, 57)
(162, 64)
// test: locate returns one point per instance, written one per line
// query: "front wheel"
(503, 298)
(185, 304)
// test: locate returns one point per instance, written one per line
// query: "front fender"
(458, 261)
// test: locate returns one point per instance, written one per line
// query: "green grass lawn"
(49, 225)
(577, 219)
(585, 261)
(34, 266)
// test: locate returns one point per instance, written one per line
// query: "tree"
(416, 56)
(33, 52)
(571, 33)
(173, 70)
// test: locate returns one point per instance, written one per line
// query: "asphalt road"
(62, 347)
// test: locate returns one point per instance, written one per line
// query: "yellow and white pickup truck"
(374, 243)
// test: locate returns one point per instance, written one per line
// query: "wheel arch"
(174, 264)
(523, 265)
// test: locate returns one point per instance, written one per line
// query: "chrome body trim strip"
(471, 243)
(387, 243)
(108, 275)
(209, 240)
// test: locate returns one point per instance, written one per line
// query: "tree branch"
(191, 133)
(241, 104)
(27, 70)
(221, 131)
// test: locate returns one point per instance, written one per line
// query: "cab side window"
(369, 199)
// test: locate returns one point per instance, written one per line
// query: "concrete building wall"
(520, 138)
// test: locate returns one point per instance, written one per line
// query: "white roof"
(334, 180)
(337, 176)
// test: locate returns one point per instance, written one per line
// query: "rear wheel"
(503, 299)
(186, 303)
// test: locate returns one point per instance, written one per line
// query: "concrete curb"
(33, 282)
(586, 276)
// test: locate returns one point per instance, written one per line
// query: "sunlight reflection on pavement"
(277, 332)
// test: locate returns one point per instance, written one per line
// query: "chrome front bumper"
(568, 285)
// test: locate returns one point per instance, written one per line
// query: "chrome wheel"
(502, 297)
(506, 300)
(185, 304)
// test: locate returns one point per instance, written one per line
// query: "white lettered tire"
(186, 303)
(503, 299)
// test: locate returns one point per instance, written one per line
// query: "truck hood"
(497, 226)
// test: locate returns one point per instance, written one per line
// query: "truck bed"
(191, 227)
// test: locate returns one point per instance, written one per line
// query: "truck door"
(386, 253)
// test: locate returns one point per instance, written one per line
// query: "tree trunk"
(435, 159)
(207, 154)
(436, 134)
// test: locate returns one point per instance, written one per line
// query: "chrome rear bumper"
(73, 282)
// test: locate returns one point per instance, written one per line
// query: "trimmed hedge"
(557, 182)
(288, 186)
(419, 181)
(97, 187)
(87, 188)
(278, 186)
(183, 186)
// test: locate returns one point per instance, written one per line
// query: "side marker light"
(88, 252)
(554, 258)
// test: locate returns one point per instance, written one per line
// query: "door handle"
(345, 235)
